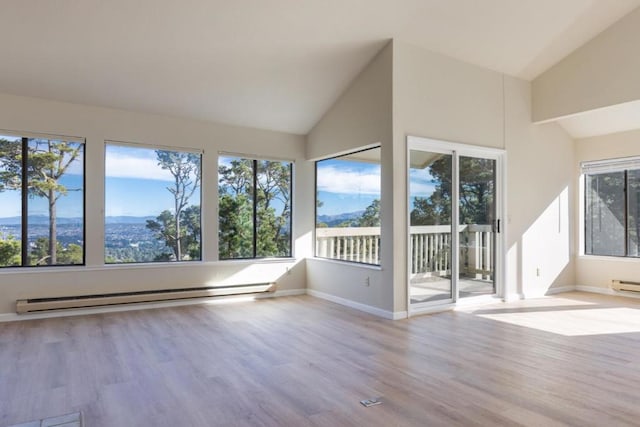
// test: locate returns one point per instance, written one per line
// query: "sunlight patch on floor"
(574, 322)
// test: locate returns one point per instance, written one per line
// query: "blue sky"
(136, 186)
(346, 186)
(67, 206)
(349, 186)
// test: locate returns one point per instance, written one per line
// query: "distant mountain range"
(43, 220)
(330, 220)
(333, 220)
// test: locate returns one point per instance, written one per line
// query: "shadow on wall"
(543, 253)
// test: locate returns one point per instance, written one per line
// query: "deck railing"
(430, 248)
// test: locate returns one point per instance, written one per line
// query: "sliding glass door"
(431, 220)
(477, 226)
(453, 205)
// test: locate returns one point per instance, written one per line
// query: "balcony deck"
(430, 253)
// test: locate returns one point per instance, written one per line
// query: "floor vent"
(371, 402)
(621, 285)
(84, 301)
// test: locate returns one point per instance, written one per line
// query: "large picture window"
(612, 207)
(254, 208)
(348, 207)
(41, 201)
(152, 204)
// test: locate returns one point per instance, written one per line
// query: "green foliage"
(47, 161)
(371, 215)
(235, 209)
(39, 253)
(180, 229)
(606, 216)
(164, 226)
(10, 164)
(9, 251)
(477, 192)
(235, 226)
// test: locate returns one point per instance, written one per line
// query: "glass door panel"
(430, 238)
(477, 226)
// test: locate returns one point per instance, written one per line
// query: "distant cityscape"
(127, 239)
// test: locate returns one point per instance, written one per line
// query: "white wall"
(360, 117)
(540, 198)
(596, 271)
(441, 98)
(100, 124)
(601, 73)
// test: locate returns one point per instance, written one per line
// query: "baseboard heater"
(621, 285)
(85, 301)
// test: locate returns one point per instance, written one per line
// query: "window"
(152, 204)
(254, 208)
(41, 201)
(612, 207)
(348, 207)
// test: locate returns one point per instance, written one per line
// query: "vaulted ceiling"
(270, 64)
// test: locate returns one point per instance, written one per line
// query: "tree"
(476, 193)
(9, 251)
(165, 228)
(236, 208)
(371, 215)
(235, 228)
(10, 164)
(39, 253)
(273, 181)
(47, 162)
(192, 223)
(186, 172)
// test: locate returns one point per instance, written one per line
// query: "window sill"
(140, 266)
(610, 258)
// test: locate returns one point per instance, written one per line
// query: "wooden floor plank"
(301, 361)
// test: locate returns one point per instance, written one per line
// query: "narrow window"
(152, 204)
(254, 208)
(41, 201)
(348, 207)
(612, 207)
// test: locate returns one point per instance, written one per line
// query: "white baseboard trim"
(359, 306)
(282, 293)
(597, 290)
(607, 291)
(10, 317)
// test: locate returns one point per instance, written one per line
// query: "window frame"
(25, 137)
(315, 206)
(598, 167)
(254, 208)
(152, 147)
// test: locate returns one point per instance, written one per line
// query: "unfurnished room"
(305, 213)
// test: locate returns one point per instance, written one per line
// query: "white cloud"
(122, 165)
(421, 189)
(345, 181)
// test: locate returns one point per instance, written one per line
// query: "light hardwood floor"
(300, 361)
